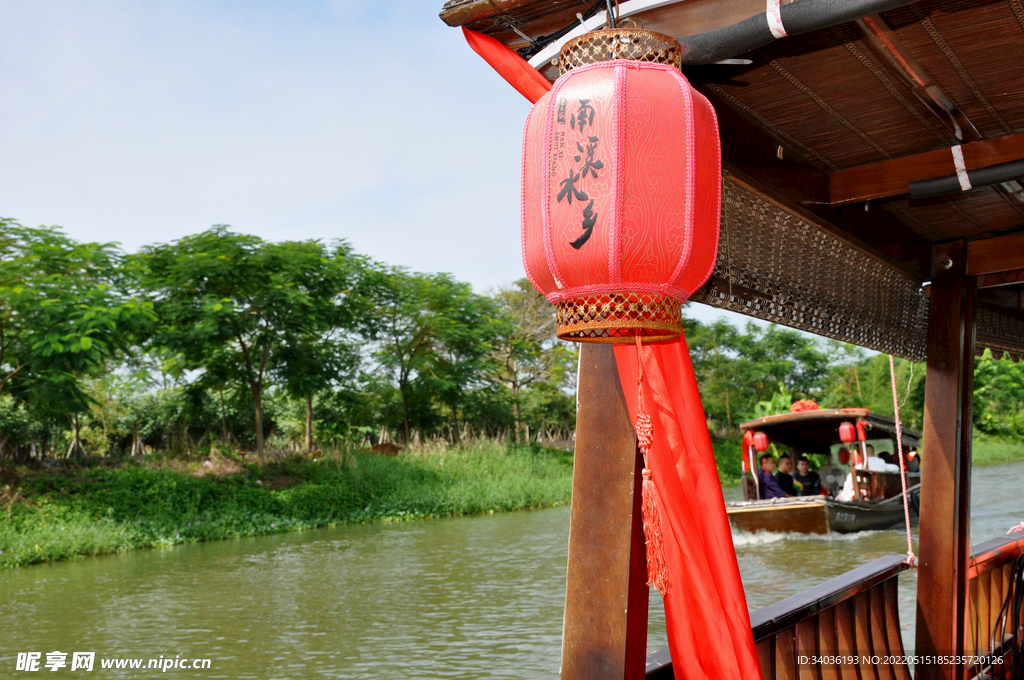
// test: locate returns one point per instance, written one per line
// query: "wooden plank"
(605, 627)
(973, 609)
(764, 655)
(785, 655)
(880, 632)
(862, 633)
(995, 599)
(945, 481)
(892, 627)
(983, 633)
(845, 643)
(997, 254)
(807, 647)
(827, 643)
(1000, 279)
(893, 177)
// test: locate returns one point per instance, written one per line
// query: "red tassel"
(657, 568)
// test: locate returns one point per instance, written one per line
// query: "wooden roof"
(819, 122)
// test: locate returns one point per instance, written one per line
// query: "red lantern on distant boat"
(847, 434)
(621, 189)
(760, 442)
(746, 443)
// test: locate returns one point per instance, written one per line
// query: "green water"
(475, 597)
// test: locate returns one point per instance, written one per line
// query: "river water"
(473, 597)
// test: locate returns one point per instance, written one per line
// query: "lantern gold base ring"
(619, 318)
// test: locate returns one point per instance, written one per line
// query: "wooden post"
(946, 464)
(604, 635)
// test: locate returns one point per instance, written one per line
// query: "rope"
(911, 558)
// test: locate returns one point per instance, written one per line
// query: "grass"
(65, 514)
(986, 450)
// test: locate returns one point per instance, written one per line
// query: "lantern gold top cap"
(608, 44)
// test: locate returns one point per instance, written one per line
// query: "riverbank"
(65, 513)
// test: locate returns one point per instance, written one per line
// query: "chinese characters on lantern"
(589, 165)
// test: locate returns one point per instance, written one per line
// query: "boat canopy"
(816, 431)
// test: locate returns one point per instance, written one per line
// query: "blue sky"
(141, 122)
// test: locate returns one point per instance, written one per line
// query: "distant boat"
(879, 505)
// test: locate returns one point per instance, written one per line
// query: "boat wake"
(746, 538)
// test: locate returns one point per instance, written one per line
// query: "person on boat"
(785, 476)
(887, 457)
(769, 487)
(913, 461)
(877, 463)
(809, 482)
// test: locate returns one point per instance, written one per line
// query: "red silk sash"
(509, 65)
(709, 632)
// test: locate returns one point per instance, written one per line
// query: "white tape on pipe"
(774, 16)
(961, 168)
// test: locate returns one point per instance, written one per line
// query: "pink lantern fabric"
(621, 198)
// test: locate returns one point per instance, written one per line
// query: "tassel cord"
(657, 567)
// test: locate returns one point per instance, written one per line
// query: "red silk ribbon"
(709, 632)
(509, 65)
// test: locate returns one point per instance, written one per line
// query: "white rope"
(911, 558)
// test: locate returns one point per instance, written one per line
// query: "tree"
(225, 299)
(430, 330)
(464, 326)
(527, 352)
(64, 313)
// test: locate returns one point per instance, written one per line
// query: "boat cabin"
(819, 431)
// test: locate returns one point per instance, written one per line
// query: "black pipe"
(993, 174)
(802, 16)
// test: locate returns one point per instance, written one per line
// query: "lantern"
(844, 455)
(746, 442)
(847, 435)
(760, 442)
(621, 189)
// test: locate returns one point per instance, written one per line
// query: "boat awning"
(817, 431)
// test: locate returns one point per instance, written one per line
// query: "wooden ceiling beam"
(997, 254)
(1000, 279)
(893, 177)
(793, 183)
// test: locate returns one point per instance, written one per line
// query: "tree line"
(754, 371)
(224, 338)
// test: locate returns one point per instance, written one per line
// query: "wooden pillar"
(604, 635)
(946, 463)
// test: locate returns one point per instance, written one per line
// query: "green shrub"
(103, 510)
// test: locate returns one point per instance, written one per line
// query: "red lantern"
(621, 190)
(844, 456)
(746, 443)
(847, 435)
(760, 442)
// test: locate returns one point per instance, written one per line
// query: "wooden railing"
(854, 614)
(989, 575)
